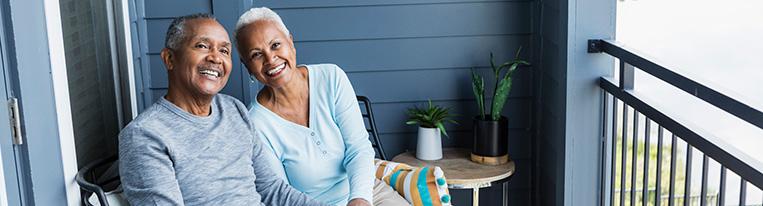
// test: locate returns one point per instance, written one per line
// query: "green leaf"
(492, 65)
(501, 94)
(478, 87)
(442, 129)
(516, 56)
(411, 122)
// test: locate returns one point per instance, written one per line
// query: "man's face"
(201, 64)
(268, 53)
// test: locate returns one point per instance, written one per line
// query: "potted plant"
(491, 128)
(431, 124)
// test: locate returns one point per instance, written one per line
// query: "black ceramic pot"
(490, 137)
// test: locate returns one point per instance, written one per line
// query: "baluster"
(614, 152)
(633, 160)
(742, 192)
(703, 189)
(687, 189)
(624, 154)
(722, 188)
(673, 151)
(645, 193)
(605, 140)
(658, 190)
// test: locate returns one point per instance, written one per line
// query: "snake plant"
(502, 86)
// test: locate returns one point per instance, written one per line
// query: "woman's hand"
(358, 202)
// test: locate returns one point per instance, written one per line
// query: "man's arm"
(274, 190)
(146, 171)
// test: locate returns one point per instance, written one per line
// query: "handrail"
(718, 99)
(726, 157)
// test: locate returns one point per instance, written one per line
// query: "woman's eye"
(256, 55)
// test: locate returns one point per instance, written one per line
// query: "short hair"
(176, 31)
(256, 14)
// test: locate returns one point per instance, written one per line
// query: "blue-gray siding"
(399, 54)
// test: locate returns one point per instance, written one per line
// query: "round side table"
(462, 173)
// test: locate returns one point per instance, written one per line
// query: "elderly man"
(195, 146)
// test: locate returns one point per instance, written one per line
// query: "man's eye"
(201, 46)
(224, 51)
(275, 45)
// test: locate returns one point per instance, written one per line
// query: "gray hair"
(257, 14)
(176, 31)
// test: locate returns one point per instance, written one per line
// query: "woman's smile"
(274, 72)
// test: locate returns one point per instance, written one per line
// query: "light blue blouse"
(332, 160)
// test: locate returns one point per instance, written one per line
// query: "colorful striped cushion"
(425, 186)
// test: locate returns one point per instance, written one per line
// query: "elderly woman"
(195, 146)
(308, 115)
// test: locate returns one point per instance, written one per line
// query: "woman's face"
(268, 53)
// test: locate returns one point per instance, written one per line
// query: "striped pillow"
(425, 186)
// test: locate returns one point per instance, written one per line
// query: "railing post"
(627, 73)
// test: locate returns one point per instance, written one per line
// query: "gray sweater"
(170, 157)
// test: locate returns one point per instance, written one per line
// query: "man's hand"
(358, 202)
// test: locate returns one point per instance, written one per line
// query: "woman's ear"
(167, 57)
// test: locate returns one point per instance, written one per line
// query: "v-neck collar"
(310, 103)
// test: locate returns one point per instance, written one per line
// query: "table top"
(460, 170)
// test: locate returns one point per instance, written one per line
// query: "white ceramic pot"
(429, 145)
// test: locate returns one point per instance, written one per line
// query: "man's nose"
(215, 57)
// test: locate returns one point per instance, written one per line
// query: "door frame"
(10, 186)
(39, 81)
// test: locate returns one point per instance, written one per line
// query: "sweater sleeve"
(273, 189)
(358, 154)
(146, 171)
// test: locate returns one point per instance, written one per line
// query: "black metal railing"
(622, 112)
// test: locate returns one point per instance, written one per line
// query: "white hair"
(257, 14)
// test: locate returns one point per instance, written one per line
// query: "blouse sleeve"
(358, 154)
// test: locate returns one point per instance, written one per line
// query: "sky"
(717, 43)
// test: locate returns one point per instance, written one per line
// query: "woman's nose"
(270, 58)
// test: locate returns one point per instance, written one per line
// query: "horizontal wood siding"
(402, 53)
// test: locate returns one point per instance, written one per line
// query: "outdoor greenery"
(680, 179)
(433, 116)
(501, 89)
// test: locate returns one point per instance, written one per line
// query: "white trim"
(128, 55)
(113, 47)
(61, 96)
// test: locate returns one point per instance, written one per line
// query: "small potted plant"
(431, 124)
(491, 128)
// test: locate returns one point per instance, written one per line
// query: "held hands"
(358, 202)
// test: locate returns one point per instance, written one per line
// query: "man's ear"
(167, 57)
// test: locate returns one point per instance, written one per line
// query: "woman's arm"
(146, 171)
(358, 154)
(273, 188)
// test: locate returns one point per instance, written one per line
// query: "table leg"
(505, 194)
(476, 197)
